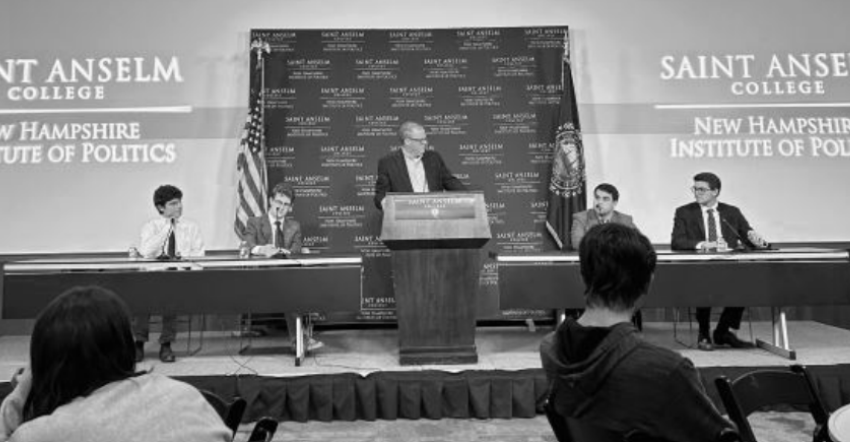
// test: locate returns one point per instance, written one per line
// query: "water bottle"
(133, 253)
(244, 250)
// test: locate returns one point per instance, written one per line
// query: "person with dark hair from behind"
(602, 373)
(169, 237)
(82, 384)
(276, 234)
(708, 225)
(413, 167)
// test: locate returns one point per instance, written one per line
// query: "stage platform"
(356, 375)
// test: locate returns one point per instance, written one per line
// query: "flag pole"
(261, 47)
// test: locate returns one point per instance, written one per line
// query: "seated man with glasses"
(273, 234)
(709, 225)
(413, 168)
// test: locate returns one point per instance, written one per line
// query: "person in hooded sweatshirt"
(600, 370)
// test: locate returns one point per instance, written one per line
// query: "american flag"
(251, 163)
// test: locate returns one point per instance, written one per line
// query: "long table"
(773, 278)
(220, 285)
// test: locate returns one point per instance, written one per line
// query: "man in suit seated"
(602, 373)
(275, 234)
(708, 225)
(605, 199)
(413, 168)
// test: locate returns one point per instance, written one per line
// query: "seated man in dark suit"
(599, 369)
(413, 168)
(713, 226)
(273, 234)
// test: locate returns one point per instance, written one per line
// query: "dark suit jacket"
(689, 227)
(584, 220)
(393, 176)
(258, 232)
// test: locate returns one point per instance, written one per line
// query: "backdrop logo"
(335, 216)
(544, 94)
(480, 95)
(376, 125)
(411, 96)
(411, 41)
(445, 68)
(343, 41)
(485, 154)
(515, 123)
(342, 156)
(309, 68)
(478, 39)
(376, 68)
(446, 124)
(310, 186)
(342, 97)
(307, 125)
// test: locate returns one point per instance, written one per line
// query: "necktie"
(712, 226)
(278, 235)
(172, 244)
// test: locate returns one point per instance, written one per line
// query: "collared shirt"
(716, 215)
(154, 238)
(416, 172)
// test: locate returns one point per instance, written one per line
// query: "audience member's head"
(80, 342)
(617, 264)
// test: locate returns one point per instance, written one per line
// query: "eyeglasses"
(700, 190)
(419, 140)
(281, 203)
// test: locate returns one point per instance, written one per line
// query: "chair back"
(230, 413)
(264, 430)
(758, 389)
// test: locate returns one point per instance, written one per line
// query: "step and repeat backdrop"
(487, 97)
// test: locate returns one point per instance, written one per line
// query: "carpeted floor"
(768, 427)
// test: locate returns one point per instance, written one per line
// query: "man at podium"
(413, 168)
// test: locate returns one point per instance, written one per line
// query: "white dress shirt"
(154, 238)
(416, 172)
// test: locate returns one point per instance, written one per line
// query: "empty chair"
(758, 389)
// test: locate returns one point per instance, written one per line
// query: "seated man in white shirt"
(171, 237)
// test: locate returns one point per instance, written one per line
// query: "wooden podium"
(435, 240)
